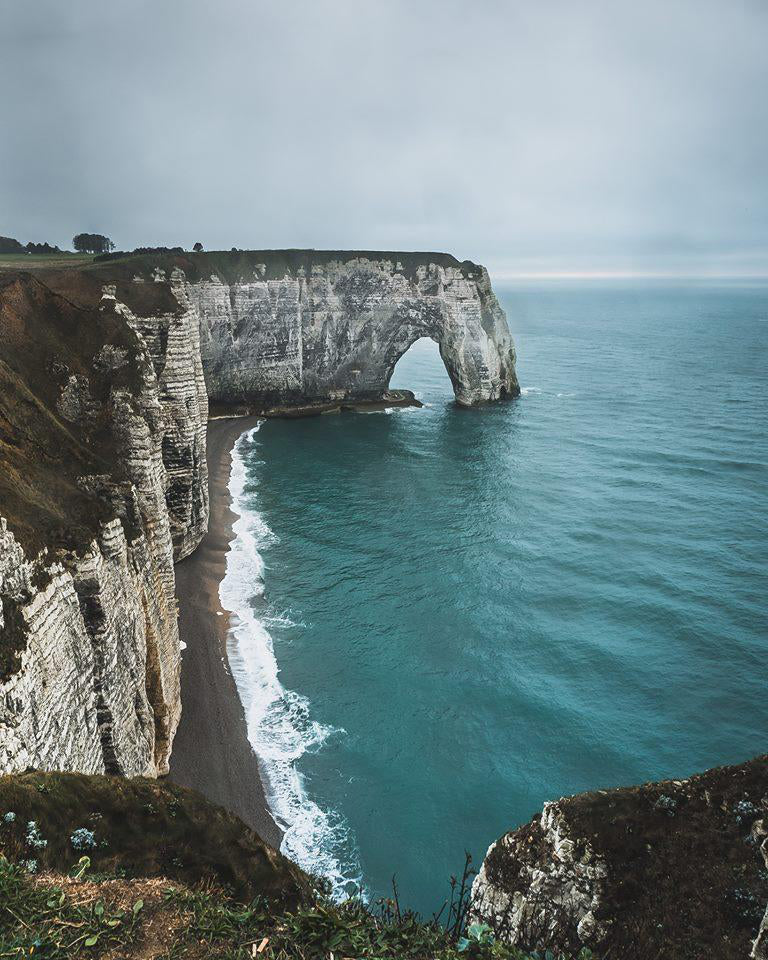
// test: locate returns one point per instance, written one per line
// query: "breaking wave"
(280, 726)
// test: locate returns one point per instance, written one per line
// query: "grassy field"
(37, 261)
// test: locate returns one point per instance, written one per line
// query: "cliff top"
(229, 264)
(168, 874)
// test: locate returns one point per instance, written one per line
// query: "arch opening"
(422, 370)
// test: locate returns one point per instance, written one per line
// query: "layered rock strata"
(335, 330)
(110, 414)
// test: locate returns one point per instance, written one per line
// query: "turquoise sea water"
(475, 611)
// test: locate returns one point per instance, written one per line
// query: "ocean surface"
(448, 616)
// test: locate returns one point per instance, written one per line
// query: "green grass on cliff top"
(80, 914)
(38, 261)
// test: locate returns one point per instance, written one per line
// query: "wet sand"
(211, 752)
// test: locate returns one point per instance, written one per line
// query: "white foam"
(280, 727)
(528, 391)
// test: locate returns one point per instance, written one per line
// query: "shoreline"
(211, 751)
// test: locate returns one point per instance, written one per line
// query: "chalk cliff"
(102, 434)
(332, 327)
(103, 411)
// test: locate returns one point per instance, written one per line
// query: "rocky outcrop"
(669, 869)
(333, 329)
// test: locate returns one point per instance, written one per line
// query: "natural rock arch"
(334, 329)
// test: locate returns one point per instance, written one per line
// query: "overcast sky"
(540, 136)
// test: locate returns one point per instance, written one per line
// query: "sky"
(541, 137)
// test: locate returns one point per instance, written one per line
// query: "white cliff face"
(96, 685)
(335, 330)
(47, 706)
(540, 883)
(172, 341)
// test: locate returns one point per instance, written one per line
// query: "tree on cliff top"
(197, 247)
(92, 243)
(9, 245)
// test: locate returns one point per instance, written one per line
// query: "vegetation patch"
(96, 866)
(86, 914)
(141, 828)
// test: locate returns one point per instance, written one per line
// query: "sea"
(446, 617)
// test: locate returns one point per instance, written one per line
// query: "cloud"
(578, 135)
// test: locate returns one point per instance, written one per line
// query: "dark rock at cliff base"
(673, 869)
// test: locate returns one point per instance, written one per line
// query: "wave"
(280, 727)
(536, 391)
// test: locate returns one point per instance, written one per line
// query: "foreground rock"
(674, 869)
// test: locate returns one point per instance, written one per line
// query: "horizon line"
(619, 275)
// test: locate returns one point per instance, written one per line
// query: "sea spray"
(280, 727)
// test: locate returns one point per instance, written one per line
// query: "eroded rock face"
(334, 330)
(541, 883)
(675, 868)
(116, 484)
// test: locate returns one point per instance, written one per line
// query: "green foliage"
(350, 929)
(92, 243)
(325, 928)
(42, 919)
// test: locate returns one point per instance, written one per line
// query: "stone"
(338, 333)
